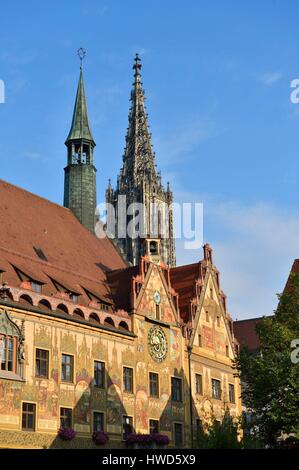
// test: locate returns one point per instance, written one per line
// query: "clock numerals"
(157, 343)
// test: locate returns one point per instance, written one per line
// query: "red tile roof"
(245, 332)
(183, 280)
(76, 258)
(120, 282)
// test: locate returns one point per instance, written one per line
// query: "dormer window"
(36, 287)
(28, 282)
(104, 307)
(74, 298)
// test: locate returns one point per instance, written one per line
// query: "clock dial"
(157, 297)
(157, 343)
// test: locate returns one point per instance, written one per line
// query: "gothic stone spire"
(140, 182)
(138, 159)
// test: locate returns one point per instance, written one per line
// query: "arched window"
(25, 300)
(109, 322)
(93, 318)
(11, 346)
(123, 325)
(62, 308)
(78, 313)
(44, 304)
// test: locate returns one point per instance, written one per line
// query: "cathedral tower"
(80, 172)
(140, 183)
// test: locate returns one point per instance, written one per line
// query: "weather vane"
(81, 54)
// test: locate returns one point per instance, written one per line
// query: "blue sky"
(217, 79)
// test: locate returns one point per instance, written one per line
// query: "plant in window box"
(100, 437)
(160, 439)
(147, 441)
(66, 434)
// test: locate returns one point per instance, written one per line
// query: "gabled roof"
(120, 282)
(76, 257)
(183, 280)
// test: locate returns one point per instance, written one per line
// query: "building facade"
(93, 342)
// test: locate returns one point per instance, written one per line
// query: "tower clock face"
(157, 343)
(157, 297)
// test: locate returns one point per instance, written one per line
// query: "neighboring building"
(139, 182)
(89, 342)
(246, 334)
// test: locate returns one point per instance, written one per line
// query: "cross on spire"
(81, 54)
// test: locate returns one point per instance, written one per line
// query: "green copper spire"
(80, 172)
(80, 126)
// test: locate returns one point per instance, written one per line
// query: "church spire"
(80, 173)
(140, 183)
(80, 125)
(138, 159)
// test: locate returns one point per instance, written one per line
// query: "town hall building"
(97, 334)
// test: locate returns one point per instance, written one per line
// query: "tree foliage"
(270, 379)
(219, 435)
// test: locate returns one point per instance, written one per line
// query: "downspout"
(189, 348)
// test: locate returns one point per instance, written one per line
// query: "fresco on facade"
(10, 398)
(147, 303)
(82, 400)
(207, 333)
(142, 410)
(174, 347)
(220, 342)
(114, 409)
(47, 399)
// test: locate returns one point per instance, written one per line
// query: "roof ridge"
(35, 195)
(185, 265)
